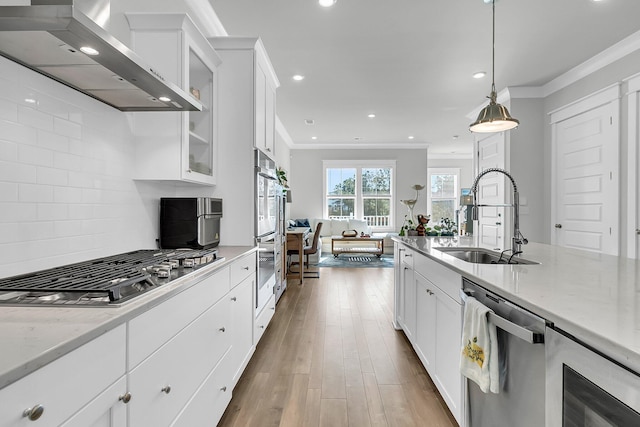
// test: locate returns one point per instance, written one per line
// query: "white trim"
(527, 92)
(606, 57)
(204, 14)
(282, 131)
(589, 102)
(633, 139)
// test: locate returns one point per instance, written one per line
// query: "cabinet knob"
(125, 398)
(429, 291)
(637, 231)
(33, 413)
(498, 223)
(558, 225)
(408, 255)
(234, 299)
(224, 388)
(261, 326)
(166, 389)
(222, 329)
(268, 149)
(246, 268)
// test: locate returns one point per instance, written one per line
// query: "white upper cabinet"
(177, 146)
(249, 94)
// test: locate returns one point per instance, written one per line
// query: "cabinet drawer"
(242, 268)
(211, 399)
(263, 319)
(153, 328)
(162, 385)
(407, 256)
(67, 384)
(449, 281)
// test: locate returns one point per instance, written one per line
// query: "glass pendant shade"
(493, 118)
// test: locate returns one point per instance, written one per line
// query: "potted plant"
(281, 174)
(446, 227)
(408, 227)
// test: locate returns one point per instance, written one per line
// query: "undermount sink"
(483, 256)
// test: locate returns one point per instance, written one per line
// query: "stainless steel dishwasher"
(521, 400)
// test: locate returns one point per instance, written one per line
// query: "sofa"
(335, 227)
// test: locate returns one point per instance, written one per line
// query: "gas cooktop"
(104, 282)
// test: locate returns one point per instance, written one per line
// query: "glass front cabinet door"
(178, 146)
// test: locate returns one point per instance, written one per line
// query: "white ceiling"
(410, 61)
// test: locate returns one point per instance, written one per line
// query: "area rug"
(356, 261)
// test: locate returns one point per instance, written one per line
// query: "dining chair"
(307, 250)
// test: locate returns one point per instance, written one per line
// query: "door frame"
(607, 95)
(633, 162)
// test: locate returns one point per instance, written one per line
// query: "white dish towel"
(479, 360)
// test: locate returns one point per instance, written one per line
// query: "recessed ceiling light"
(164, 99)
(308, 121)
(314, 137)
(357, 138)
(327, 3)
(411, 136)
(298, 77)
(479, 74)
(371, 116)
(89, 50)
(455, 137)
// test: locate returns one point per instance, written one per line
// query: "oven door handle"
(521, 332)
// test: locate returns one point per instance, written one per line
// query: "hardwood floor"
(330, 357)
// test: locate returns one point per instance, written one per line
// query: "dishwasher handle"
(521, 332)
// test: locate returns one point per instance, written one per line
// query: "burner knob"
(166, 389)
(33, 413)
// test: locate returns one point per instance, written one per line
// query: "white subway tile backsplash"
(8, 110)
(35, 193)
(17, 172)
(69, 228)
(67, 195)
(52, 212)
(67, 128)
(53, 141)
(19, 133)
(69, 162)
(90, 195)
(8, 151)
(82, 211)
(51, 176)
(34, 155)
(8, 192)
(14, 232)
(33, 118)
(17, 212)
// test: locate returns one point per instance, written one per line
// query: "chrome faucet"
(518, 239)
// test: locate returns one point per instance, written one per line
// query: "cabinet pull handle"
(166, 389)
(33, 413)
(224, 388)
(125, 398)
(409, 255)
(234, 299)
(222, 329)
(246, 268)
(268, 149)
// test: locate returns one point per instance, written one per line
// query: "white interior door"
(586, 180)
(491, 190)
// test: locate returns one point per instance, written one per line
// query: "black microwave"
(190, 222)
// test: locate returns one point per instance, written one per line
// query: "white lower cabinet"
(163, 384)
(263, 318)
(242, 314)
(106, 410)
(432, 321)
(60, 391)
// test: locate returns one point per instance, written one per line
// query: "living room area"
(357, 194)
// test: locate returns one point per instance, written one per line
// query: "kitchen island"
(48, 351)
(588, 299)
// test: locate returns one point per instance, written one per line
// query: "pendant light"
(494, 117)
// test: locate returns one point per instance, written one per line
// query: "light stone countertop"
(31, 337)
(594, 297)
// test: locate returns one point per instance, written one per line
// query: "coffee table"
(358, 245)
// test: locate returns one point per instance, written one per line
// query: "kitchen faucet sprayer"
(518, 239)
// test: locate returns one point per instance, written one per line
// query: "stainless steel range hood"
(49, 36)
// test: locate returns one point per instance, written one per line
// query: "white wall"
(306, 179)
(465, 166)
(66, 192)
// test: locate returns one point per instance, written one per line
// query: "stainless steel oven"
(265, 226)
(586, 388)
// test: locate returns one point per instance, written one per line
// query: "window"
(360, 190)
(443, 193)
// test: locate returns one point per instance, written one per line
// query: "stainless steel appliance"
(521, 401)
(52, 36)
(190, 222)
(586, 388)
(103, 282)
(265, 226)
